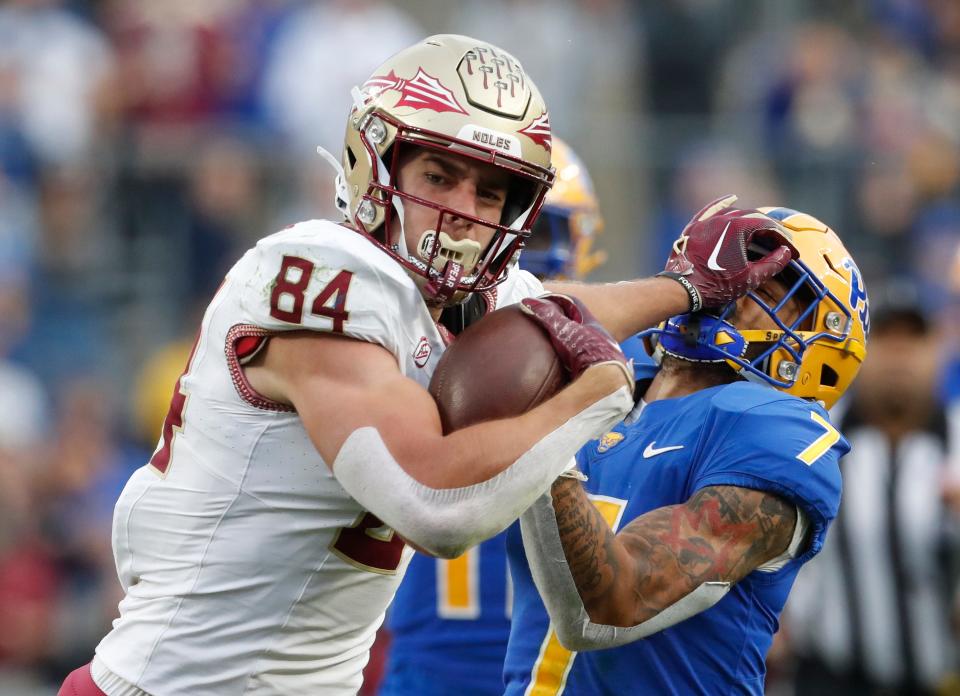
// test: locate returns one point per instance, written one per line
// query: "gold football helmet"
(454, 94)
(561, 244)
(817, 356)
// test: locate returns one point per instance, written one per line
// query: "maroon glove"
(577, 337)
(710, 257)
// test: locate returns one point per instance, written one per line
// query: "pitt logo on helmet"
(858, 295)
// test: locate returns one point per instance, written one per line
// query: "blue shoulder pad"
(764, 439)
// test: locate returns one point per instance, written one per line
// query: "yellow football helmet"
(450, 93)
(818, 355)
(561, 244)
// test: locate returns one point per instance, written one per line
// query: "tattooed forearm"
(588, 541)
(722, 533)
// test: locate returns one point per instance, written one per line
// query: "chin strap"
(697, 337)
(440, 290)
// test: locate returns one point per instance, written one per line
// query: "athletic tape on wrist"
(696, 300)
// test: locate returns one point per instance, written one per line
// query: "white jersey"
(247, 567)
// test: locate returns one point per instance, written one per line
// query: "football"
(501, 366)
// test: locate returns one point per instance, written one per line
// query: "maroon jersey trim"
(241, 334)
(490, 297)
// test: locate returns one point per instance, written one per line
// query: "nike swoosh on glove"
(710, 257)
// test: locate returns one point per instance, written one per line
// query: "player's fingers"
(775, 237)
(568, 305)
(770, 265)
(531, 305)
(545, 313)
(715, 206)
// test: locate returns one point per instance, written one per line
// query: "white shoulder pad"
(518, 285)
(320, 276)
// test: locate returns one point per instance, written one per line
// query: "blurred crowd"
(145, 145)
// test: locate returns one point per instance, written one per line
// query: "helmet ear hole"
(351, 159)
(828, 376)
(520, 196)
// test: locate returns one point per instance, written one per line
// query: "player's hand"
(577, 337)
(710, 257)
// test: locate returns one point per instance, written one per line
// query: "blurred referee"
(876, 612)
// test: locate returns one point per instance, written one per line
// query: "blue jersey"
(450, 620)
(739, 434)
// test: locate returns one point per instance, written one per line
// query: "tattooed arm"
(721, 534)
(603, 589)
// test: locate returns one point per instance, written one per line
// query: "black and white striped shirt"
(877, 600)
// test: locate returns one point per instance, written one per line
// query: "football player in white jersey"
(262, 543)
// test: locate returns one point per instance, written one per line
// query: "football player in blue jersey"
(697, 512)
(451, 618)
